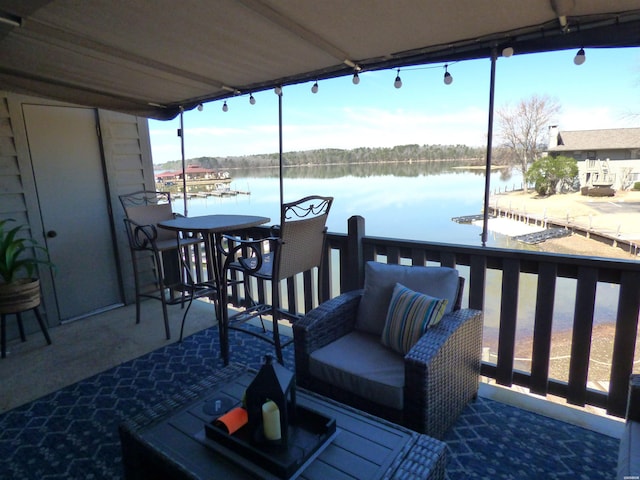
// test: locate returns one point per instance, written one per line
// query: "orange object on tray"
(233, 420)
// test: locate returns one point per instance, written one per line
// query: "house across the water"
(607, 159)
(194, 175)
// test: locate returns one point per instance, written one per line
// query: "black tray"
(307, 437)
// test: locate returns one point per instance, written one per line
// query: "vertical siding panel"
(127, 152)
(12, 202)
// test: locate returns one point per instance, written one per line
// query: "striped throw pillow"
(410, 314)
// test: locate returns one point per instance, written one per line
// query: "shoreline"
(615, 217)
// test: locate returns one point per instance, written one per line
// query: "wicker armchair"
(629, 450)
(441, 370)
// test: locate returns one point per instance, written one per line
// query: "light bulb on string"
(314, 88)
(225, 108)
(448, 79)
(507, 52)
(398, 82)
(278, 90)
(356, 79)
(252, 100)
(200, 107)
(580, 57)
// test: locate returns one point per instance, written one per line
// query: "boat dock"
(212, 193)
(535, 227)
(611, 221)
(528, 233)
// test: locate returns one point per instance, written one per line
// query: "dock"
(607, 231)
(213, 193)
(543, 228)
(543, 236)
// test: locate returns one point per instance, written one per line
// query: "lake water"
(416, 203)
(416, 207)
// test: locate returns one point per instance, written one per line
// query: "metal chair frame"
(296, 245)
(169, 254)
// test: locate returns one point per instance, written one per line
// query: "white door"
(69, 175)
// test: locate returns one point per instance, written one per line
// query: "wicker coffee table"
(162, 442)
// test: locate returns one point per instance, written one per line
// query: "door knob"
(52, 234)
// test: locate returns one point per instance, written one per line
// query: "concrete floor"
(89, 346)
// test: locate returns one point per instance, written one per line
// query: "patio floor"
(61, 409)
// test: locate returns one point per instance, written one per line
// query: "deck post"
(355, 253)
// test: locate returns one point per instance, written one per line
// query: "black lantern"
(270, 401)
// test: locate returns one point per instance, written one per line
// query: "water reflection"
(401, 200)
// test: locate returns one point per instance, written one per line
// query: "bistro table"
(211, 228)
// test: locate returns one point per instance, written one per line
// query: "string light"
(507, 52)
(278, 90)
(580, 57)
(200, 107)
(398, 81)
(448, 79)
(225, 108)
(252, 100)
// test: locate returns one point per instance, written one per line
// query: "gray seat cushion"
(360, 364)
(380, 280)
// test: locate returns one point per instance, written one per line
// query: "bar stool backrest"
(302, 235)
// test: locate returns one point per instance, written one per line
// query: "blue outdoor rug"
(73, 433)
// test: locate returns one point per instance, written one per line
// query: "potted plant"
(19, 290)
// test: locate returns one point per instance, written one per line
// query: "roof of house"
(159, 58)
(610, 139)
(167, 174)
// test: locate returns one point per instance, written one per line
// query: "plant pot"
(18, 296)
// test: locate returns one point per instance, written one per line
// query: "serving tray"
(311, 433)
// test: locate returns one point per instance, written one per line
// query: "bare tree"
(523, 128)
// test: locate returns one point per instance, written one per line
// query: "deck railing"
(496, 280)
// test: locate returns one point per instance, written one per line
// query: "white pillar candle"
(271, 421)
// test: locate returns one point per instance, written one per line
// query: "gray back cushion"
(381, 278)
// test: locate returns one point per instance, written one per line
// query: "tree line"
(333, 156)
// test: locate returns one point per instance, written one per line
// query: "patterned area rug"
(73, 433)
(492, 440)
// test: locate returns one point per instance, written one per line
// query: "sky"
(604, 92)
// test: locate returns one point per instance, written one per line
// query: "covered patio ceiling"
(153, 57)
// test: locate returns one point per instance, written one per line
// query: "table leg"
(223, 319)
(214, 266)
